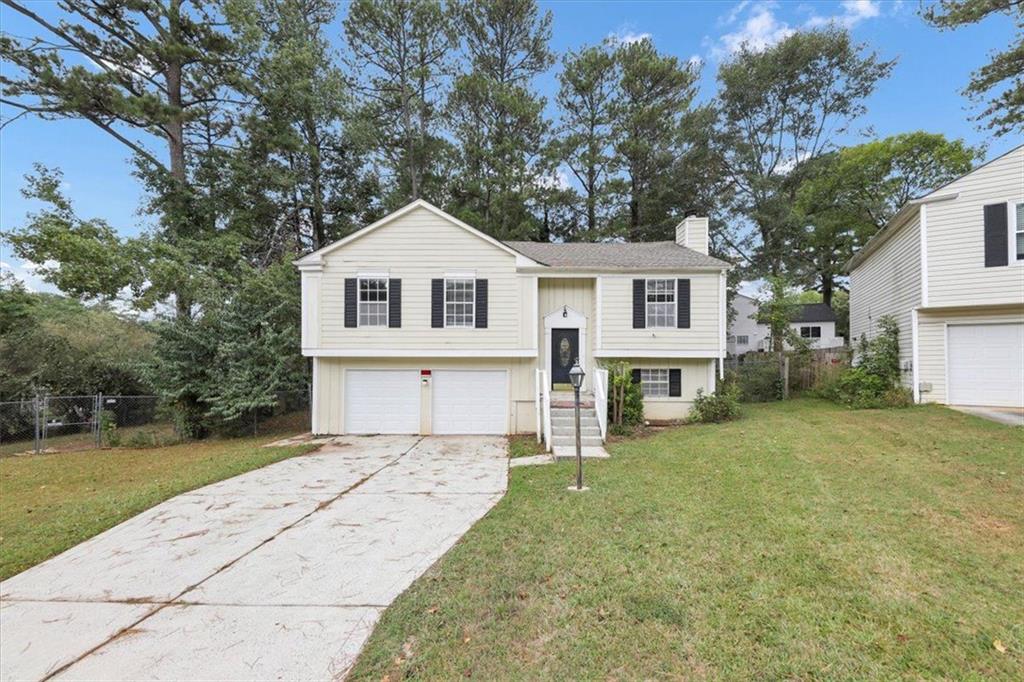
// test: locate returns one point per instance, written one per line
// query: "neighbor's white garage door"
(986, 364)
(470, 401)
(382, 401)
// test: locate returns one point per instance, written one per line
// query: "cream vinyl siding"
(888, 282)
(416, 248)
(617, 331)
(697, 373)
(957, 275)
(329, 386)
(931, 334)
(578, 294)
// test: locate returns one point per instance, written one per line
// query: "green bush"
(625, 398)
(874, 382)
(758, 381)
(720, 406)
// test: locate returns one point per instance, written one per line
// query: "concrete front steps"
(563, 427)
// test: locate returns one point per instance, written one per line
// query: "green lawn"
(51, 502)
(803, 541)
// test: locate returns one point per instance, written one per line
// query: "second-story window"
(373, 302)
(661, 303)
(459, 301)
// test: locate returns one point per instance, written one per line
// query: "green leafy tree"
(402, 52)
(498, 118)
(655, 94)
(999, 85)
(847, 196)
(587, 92)
(140, 70)
(778, 108)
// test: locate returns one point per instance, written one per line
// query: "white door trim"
(566, 317)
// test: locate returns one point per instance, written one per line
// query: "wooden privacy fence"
(811, 369)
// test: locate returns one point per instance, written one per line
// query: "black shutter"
(636, 374)
(675, 383)
(683, 303)
(395, 303)
(996, 236)
(481, 304)
(639, 304)
(351, 302)
(437, 303)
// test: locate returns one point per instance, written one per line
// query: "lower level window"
(654, 383)
(810, 332)
(742, 340)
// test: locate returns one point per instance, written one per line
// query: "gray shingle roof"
(815, 312)
(616, 255)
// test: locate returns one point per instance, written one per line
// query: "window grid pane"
(373, 303)
(654, 383)
(661, 303)
(459, 302)
(1020, 231)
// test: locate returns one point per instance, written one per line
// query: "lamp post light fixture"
(576, 375)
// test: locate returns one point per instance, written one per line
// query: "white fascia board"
(651, 353)
(317, 256)
(418, 353)
(546, 271)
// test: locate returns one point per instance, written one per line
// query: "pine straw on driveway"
(803, 541)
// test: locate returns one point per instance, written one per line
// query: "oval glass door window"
(564, 350)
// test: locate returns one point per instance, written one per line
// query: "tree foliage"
(998, 87)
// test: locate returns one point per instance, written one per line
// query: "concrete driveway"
(280, 573)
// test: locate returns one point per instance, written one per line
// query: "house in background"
(815, 322)
(421, 324)
(949, 267)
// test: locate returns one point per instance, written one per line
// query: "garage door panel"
(986, 364)
(470, 402)
(382, 401)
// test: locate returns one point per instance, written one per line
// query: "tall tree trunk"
(826, 289)
(316, 181)
(175, 130)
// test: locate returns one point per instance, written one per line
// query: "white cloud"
(854, 12)
(759, 27)
(557, 180)
(626, 35)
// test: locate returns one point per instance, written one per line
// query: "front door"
(565, 350)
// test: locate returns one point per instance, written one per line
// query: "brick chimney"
(693, 233)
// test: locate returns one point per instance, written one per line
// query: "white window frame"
(673, 290)
(810, 331)
(360, 301)
(1015, 228)
(743, 339)
(652, 382)
(472, 302)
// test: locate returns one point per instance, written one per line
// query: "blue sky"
(922, 94)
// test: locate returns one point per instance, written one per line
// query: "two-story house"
(815, 322)
(950, 268)
(421, 324)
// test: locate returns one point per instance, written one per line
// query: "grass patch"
(524, 446)
(804, 541)
(51, 502)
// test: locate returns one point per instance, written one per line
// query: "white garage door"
(382, 401)
(986, 364)
(470, 401)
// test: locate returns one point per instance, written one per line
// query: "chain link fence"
(83, 422)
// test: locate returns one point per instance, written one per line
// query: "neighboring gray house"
(950, 268)
(421, 324)
(815, 322)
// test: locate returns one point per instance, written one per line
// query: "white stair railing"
(543, 409)
(601, 400)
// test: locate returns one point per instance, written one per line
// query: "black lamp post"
(576, 375)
